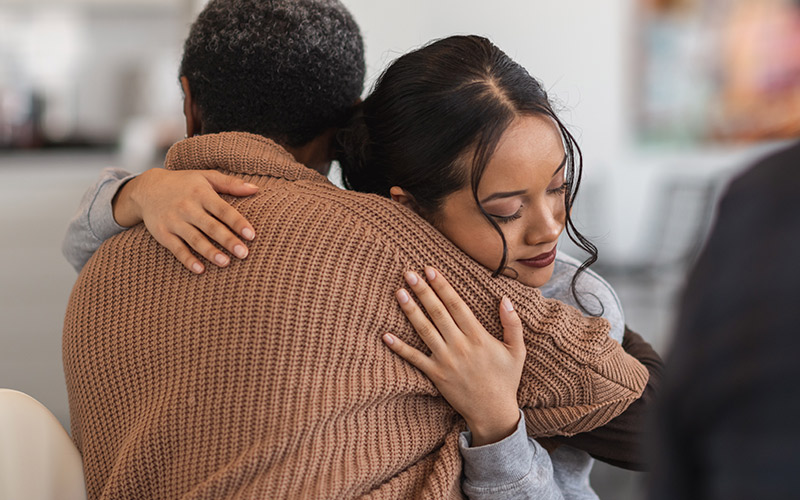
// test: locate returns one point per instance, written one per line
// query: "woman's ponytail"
(353, 152)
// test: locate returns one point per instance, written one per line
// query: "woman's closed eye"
(508, 218)
(560, 189)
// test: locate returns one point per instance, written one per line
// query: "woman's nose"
(547, 224)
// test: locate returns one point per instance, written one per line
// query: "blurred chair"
(683, 211)
(38, 460)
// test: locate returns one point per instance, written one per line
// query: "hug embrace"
(418, 335)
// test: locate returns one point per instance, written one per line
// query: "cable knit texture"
(268, 379)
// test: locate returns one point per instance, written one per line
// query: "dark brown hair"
(433, 107)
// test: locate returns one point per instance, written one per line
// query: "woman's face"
(523, 188)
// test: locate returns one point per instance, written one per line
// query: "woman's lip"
(542, 260)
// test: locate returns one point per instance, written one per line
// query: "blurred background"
(668, 99)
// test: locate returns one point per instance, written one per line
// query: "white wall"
(575, 47)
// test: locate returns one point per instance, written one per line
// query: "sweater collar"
(238, 152)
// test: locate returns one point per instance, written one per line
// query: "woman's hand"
(182, 209)
(477, 374)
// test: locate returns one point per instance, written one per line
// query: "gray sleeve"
(596, 295)
(612, 307)
(94, 222)
(515, 468)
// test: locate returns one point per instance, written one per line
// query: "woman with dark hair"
(432, 126)
(464, 136)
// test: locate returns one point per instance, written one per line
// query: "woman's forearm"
(94, 221)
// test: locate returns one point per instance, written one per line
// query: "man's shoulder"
(305, 202)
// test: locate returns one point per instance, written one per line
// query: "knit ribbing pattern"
(268, 379)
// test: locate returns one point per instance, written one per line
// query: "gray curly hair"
(284, 69)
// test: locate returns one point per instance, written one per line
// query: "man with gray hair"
(289, 70)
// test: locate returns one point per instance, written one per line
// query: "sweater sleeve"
(620, 441)
(575, 377)
(515, 468)
(94, 221)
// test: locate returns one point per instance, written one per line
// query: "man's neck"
(315, 154)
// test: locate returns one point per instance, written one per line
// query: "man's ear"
(194, 124)
(403, 197)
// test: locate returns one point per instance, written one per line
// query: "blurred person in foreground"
(731, 396)
(269, 379)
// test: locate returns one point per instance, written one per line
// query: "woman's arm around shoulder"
(620, 441)
(94, 221)
(181, 209)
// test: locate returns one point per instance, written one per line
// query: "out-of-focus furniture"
(38, 460)
(682, 215)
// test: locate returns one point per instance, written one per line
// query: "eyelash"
(508, 218)
(559, 190)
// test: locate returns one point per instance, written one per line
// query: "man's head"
(289, 70)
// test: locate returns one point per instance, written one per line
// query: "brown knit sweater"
(269, 379)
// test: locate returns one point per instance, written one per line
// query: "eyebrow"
(503, 194)
(561, 165)
(509, 194)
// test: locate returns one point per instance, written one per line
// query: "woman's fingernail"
(411, 278)
(221, 259)
(240, 251)
(248, 233)
(251, 186)
(430, 273)
(402, 296)
(388, 339)
(507, 304)
(197, 267)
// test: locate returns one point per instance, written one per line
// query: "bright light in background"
(40, 64)
(78, 72)
(52, 45)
